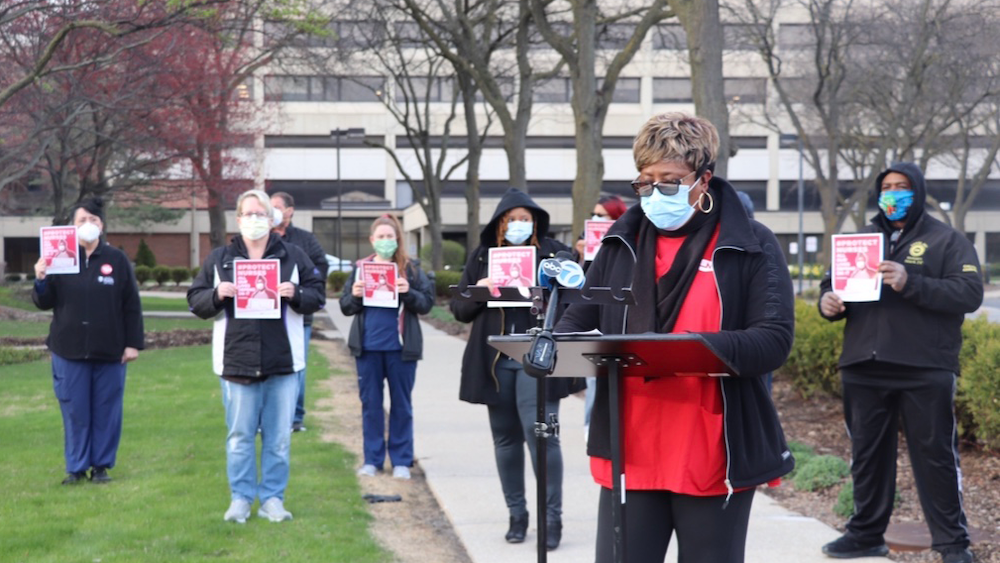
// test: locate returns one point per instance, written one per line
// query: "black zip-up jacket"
(306, 241)
(417, 301)
(244, 350)
(479, 381)
(96, 314)
(755, 338)
(922, 325)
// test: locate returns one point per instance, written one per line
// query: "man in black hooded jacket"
(900, 361)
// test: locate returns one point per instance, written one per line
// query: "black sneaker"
(518, 529)
(74, 478)
(100, 475)
(846, 547)
(956, 555)
(298, 427)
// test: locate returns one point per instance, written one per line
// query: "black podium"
(624, 355)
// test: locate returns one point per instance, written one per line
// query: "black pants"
(512, 422)
(706, 532)
(874, 403)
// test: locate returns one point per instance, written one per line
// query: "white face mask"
(599, 218)
(254, 228)
(88, 232)
(278, 217)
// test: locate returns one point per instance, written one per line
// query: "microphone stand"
(538, 363)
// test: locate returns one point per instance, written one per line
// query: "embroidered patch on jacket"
(917, 250)
(106, 280)
(706, 266)
(970, 268)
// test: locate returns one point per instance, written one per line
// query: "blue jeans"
(90, 397)
(267, 405)
(374, 370)
(300, 402)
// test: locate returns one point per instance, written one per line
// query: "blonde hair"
(679, 137)
(400, 257)
(263, 198)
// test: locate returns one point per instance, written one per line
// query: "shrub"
(143, 274)
(144, 255)
(453, 254)
(821, 472)
(979, 386)
(844, 506)
(12, 277)
(802, 454)
(443, 279)
(336, 280)
(10, 356)
(195, 271)
(812, 365)
(180, 274)
(161, 274)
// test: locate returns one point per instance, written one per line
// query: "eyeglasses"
(644, 188)
(255, 215)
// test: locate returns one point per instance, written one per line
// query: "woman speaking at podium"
(695, 447)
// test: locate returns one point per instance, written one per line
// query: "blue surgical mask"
(895, 203)
(668, 212)
(519, 231)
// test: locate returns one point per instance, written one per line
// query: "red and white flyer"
(512, 266)
(380, 284)
(854, 271)
(257, 289)
(593, 232)
(59, 248)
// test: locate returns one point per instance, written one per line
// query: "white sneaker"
(274, 510)
(401, 472)
(367, 470)
(239, 511)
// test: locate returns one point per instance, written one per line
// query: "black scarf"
(658, 302)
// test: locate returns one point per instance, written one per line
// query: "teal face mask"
(895, 203)
(385, 248)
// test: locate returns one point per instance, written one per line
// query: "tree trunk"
(701, 23)
(475, 152)
(216, 199)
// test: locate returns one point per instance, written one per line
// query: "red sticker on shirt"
(106, 269)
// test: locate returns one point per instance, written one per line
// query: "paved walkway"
(455, 451)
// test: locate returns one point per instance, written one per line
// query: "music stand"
(624, 355)
(537, 297)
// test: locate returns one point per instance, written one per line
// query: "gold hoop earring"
(701, 205)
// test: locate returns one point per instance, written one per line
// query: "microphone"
(553, 273)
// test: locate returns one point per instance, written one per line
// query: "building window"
(745, 90)
(553, 91)
(741, 37)
(613, 36)
(672, 91)
(424, 89)
(279, 88)
(357, 34)
(626, 90)
(670, 37)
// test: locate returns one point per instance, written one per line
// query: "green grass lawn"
(442, 314)
(169, 490)
(150, 303)
(17, 296)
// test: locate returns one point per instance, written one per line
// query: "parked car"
(338, 264)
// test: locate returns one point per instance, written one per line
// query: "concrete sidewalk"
(455, 451)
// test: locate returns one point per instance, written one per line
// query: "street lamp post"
(337, 134)
(787, 140)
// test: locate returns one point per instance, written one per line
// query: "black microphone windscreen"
(564, 255)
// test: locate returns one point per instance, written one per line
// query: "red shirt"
(673, 426)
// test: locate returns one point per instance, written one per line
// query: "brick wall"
(169, 249)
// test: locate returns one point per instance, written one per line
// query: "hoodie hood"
(511, 199)
(916, 177)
